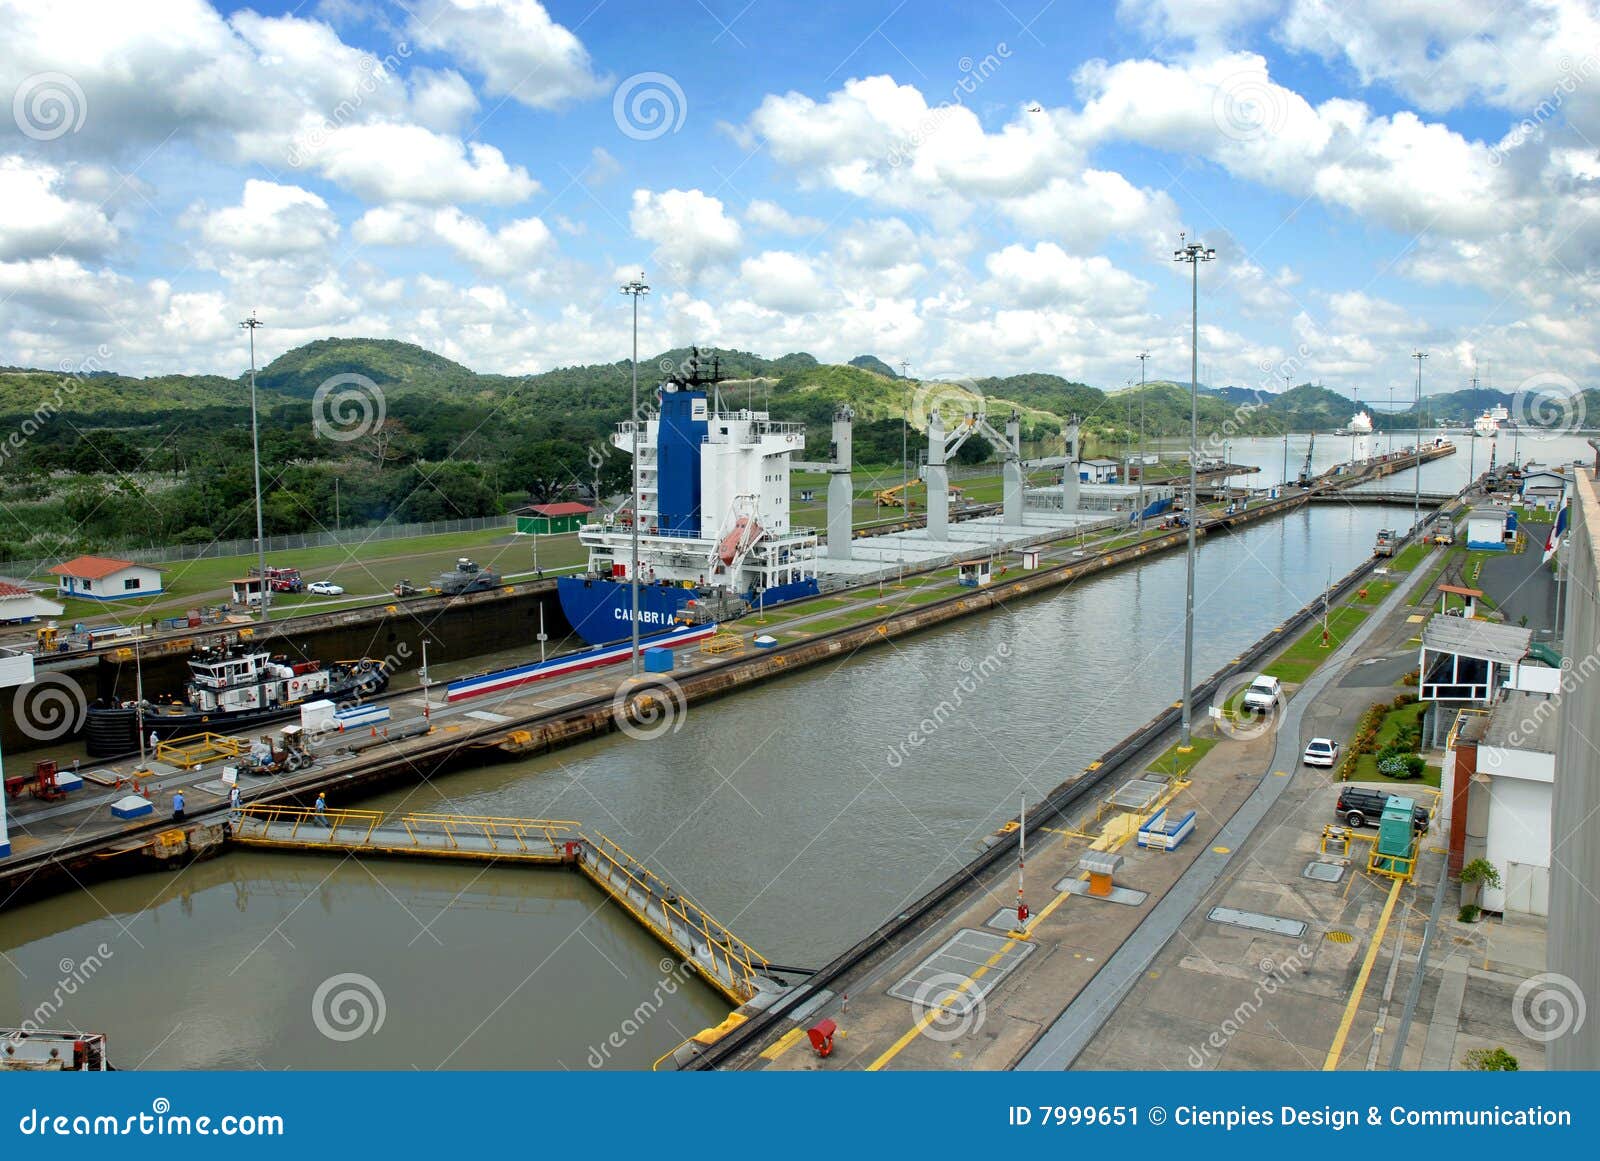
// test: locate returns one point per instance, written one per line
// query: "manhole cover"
(1340, 937)
(1324, 872)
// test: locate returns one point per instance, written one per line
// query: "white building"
(1486, 527)
(1097, 471)
(1544, 488)
(1516, 770)
(20, 602)
(104, 578)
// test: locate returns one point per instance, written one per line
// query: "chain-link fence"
(164, 554)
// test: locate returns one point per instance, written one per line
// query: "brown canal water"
(802, 813)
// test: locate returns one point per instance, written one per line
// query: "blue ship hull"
(600, 610)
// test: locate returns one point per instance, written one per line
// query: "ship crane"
(941, 446)
(1305, 472)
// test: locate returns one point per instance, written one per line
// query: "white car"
(325, 589)
(1264, 694)
(1321, 752)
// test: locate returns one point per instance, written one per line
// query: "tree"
(976, 450)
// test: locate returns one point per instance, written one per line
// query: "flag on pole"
(1555, 535)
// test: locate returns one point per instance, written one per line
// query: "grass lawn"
(1376, 591)
(1393, 722)
(1301, 659)
(1179, 765)
(1409, 559)
(1367, 771)
(1426, 591)
(369, 569)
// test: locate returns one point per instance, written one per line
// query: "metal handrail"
(739, 957)
(332, 820)
(492, 829)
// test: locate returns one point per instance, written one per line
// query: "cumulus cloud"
(689, 229)
(513, 44)
(37, 221)
(765, 215)
(270, 221)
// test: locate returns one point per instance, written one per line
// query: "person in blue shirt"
(177, 807)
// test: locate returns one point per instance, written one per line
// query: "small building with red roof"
(20, 601)
(544, 519)
(105, 578)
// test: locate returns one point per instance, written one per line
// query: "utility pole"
(634, 289)
(1285, 483)
(250, 324)
(1416, 487)
(905, 453)
(1144, 359)
(337, 524)
(1193, 253)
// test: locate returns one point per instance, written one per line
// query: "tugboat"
(230, 688)
(712, 518)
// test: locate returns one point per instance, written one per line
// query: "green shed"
(546, 519)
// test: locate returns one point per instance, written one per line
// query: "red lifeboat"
(745, 531)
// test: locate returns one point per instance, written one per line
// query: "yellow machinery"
(891, 497)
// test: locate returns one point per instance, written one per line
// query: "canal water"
(802, 813)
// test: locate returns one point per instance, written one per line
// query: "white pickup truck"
(1264, 694)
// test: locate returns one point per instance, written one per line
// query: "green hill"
(387, 362)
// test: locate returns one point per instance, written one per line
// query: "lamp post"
(634, 289)
(1194, 254)
(1416, 468)
(1144, 359)
(250, 324)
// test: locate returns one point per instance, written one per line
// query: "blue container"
(658, 661)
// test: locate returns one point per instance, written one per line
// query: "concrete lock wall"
(1574, 927)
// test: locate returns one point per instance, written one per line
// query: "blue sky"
(470, 175)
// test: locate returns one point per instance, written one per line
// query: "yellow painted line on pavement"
(1354, 1004)
(781, 1045)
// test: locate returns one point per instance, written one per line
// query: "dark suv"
(1359, 807)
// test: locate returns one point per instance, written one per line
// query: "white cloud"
(765, 215)
(783, 281)
(514, 44)
(1046, 275)
(441, 100)
(515, 248)
(37, 221)
(271, 220)
(385, 163)
(690, 229)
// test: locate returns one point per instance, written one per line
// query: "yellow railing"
(743, 962)
(346, 824)
(1455, 730)
(522, 833)
(195, 749)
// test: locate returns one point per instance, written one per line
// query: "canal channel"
(801, 813)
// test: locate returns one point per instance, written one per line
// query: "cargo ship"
(712, 517)
(230, 688)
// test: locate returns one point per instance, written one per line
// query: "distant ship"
(712, 519)
(1489, 423)
(1360, 424)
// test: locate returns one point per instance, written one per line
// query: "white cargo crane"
(941, 446)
